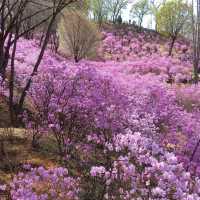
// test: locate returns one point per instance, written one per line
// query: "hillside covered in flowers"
(123, 125)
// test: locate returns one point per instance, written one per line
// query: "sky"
(125, 13)
(126, 17)
(147, 23)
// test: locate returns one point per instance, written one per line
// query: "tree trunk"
(193, 153)
(2, 148)
(28, 84)
(196, 41)
(35, 141)
(76, 59)
(11, 81)
(171, 46)
(4, 57)
(196, 69)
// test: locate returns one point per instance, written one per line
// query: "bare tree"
(79, 35)
(99, 10)
(115, 7)
(154, 7)
(196, 56)
(139, 10)
(196, 39)
(13, 15)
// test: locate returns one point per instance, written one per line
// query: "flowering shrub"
(107, 119)
(42, 184)
(76, 103)
(73, 102)
(128, 46)
(142, 170)
(129, 166)
(188, 96)
(145, 53)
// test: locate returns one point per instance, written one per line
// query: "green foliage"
(172, 16)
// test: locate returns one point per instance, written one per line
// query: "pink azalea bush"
(129, 45)
(42, 184)
(128, 133)
(136, 167)
(141, 169)
(146, 53)
(90, 100)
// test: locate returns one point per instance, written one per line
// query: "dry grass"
(19, 151)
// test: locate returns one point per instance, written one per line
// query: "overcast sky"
(147, 23)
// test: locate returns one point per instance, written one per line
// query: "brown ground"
(18, 151)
